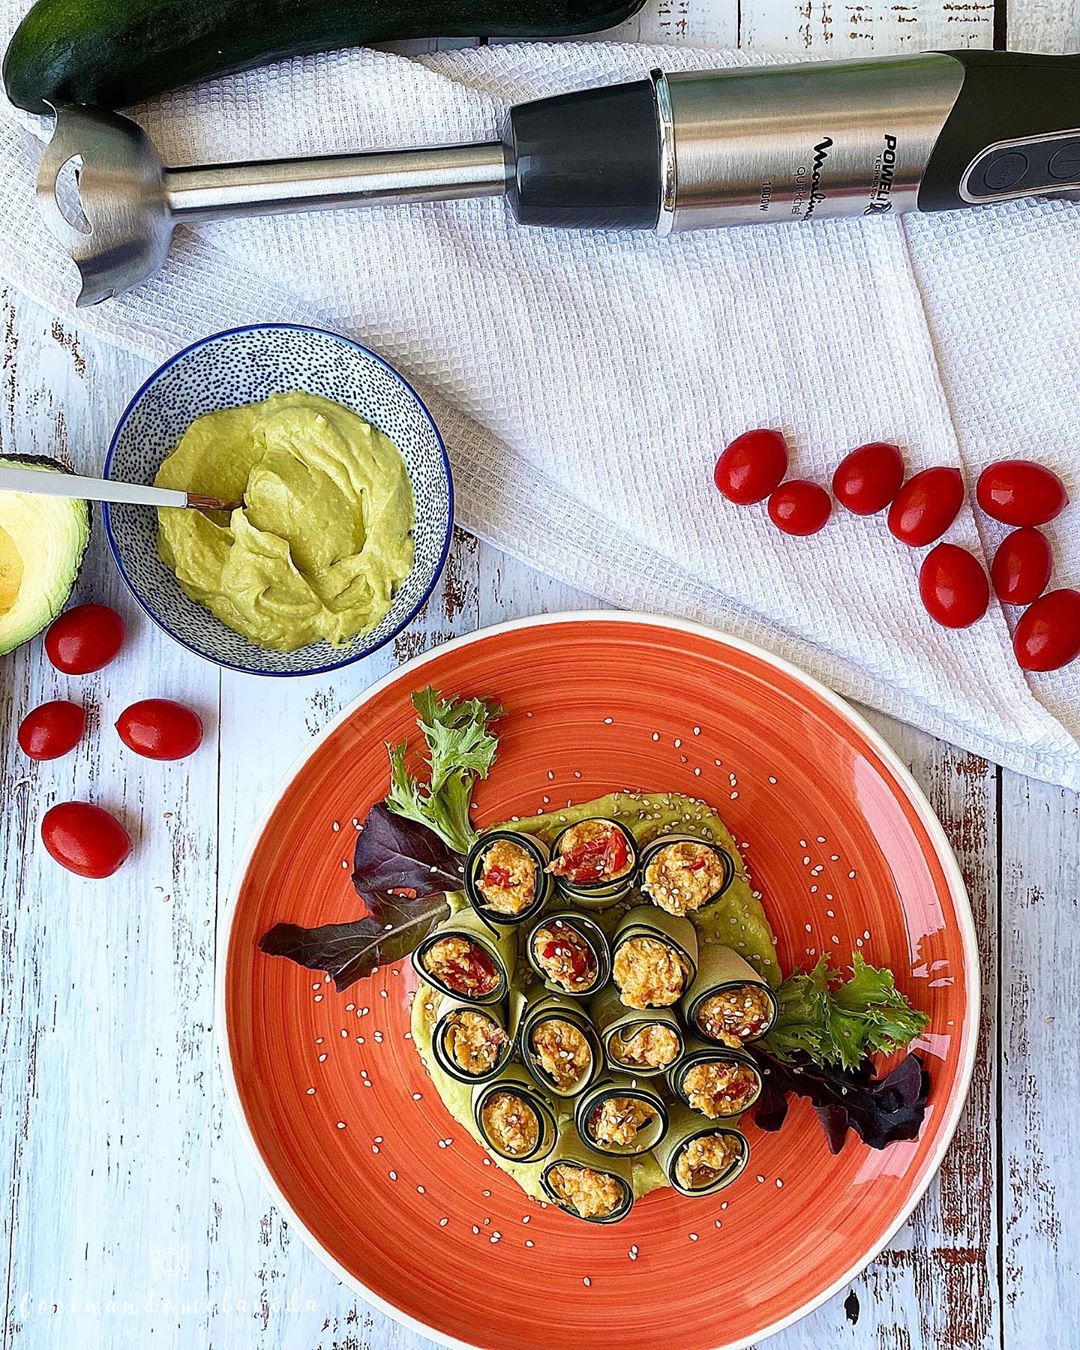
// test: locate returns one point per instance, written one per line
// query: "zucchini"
(111, 53)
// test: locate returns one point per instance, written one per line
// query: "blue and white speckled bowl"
(246, 365)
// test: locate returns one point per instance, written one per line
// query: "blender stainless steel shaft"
(753, 145)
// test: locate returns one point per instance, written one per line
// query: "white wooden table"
(133, 1217)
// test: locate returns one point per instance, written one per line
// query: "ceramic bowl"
(246, 365)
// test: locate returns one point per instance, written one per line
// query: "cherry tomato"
(1018, 492)
(953, 586)
(52, 730)
(158, 728)
(84, 639)
(752, 466)
(799, 507)
(867, 479)
(926, 506)
(85, 839)
(1048, 634)
(1022, 566)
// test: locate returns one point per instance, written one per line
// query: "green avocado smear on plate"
(324, 537)
(736, 920)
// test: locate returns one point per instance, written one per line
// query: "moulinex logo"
(821, 154)
(881, 197)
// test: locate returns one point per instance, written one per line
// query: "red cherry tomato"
(84, 639)
(1018, 492)
(867, 479)
(52, 730)
(1048, 634)
(799, 507)
(752, 466)
(85, 839)
(953, 586)
(160, 729)
(1022, 566)
(926, 506)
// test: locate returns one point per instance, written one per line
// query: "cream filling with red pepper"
(618, 1121)
(684, 876)
(706, 1159)
(507, 878)
(649, 973)
(716, 1088)
(462, 966)
(473, 1041)
(592, 852)
(511, 1124)
(590, 1194)
(565, 956)
(741, 1013)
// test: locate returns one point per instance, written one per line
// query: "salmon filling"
(741, 1013)
(720, 1089)
(705, 1160)
(462, 966)
(653, 1047)
(649, 973)
(591, 853)
(511, 1124)
(507, 878)
(565, 957)
(590, 1194)
(562, 1052)
(618, 1121)
(684, 876)
(473, 1041)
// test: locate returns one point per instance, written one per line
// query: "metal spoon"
(105, 490)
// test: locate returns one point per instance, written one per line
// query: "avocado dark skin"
(112, 53)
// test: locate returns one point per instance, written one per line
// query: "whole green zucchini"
(111, 53)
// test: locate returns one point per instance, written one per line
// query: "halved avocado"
(42, 542)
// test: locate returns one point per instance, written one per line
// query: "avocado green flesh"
(737, 919)
(42, 542)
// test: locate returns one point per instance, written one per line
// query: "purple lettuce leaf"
(396, 854)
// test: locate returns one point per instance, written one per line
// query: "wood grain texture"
(133, 1215)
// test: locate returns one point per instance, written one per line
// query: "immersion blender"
(673, 152)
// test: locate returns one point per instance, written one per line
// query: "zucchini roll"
(570, 953)
(594, 861)
(505, 878)
(470, 1043)
(729, 1001)
(716, 1080)
(586, 1187)
(682, 874)
(654, 957)
(514, 1117)
(621, 1116)
(558, 1043)
(642, 1043)
(699, 1158)
(467, 959)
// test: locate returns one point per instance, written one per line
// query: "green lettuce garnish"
(461, 748)
(842, 1021)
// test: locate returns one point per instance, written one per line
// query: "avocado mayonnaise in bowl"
(347, 502)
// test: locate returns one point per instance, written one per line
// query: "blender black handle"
(1013, 130)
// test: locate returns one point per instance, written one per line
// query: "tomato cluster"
(953, 584)
(86, 839)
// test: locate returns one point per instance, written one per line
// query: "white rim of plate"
(939, 841)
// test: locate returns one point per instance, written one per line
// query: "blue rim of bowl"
(348, 342)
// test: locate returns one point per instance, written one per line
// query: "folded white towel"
(586, 382)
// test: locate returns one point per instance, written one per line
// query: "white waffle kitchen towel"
(586, 382)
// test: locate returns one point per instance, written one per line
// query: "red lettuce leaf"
(879, 1110)
(396, 854)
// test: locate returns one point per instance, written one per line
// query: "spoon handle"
(53, 484)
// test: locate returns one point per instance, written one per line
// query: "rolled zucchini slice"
(717, 1081)
(653, 957)
(465, 958)
(596, 1190)
(683, 873)
(470, 1043)
(594, 861)
(558, 1043)
(621, 1116)
(514, 1118)
(644, 1043)
(505, 877)
(570, 953)
(729, 1001)
(699, 1158)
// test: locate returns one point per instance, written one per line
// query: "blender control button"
(1065, 163)
(1004, 171)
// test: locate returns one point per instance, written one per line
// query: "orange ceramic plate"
(354, 1141)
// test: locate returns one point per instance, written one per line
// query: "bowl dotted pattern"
(344, 1120)
(247, 365)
